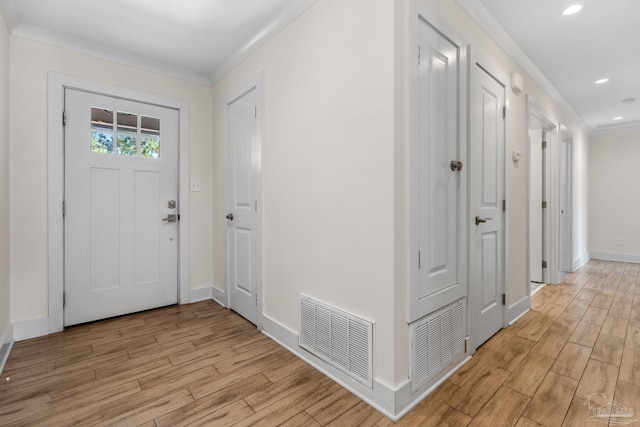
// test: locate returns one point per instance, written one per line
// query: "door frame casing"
(551, 174)
(254, 84)
(477, 60)
(566, 190)
(57, 84)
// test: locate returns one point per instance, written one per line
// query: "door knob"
(229, 217)
(481, 220)
(171, 218)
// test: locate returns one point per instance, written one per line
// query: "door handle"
(229, 217)
(171, 218)
(481, 220)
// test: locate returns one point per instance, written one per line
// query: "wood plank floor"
(201, 364)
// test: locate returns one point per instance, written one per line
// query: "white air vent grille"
(339, 338)
(436, 340)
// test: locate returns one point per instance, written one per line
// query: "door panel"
(438, 185)
(535, 212)
(486, 189)
(121, 161)
(244, 153)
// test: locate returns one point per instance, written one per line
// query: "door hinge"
(64, 209)
(544, 264)
(418, 259)
(504, 206)
(64, 299)
(504, 299)
(178, 217)
(256, 205)
(256, 112)
(504, 111)
(544, 205)
(256, 300)
(64, 118)
(418, 55)
(465, 345)
(544, 144)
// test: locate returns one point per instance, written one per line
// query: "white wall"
(614, 205)
(5, 319)
(328, 165)
(30, 63)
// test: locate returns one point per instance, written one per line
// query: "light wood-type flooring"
(201, 364)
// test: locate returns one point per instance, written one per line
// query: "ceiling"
(192, 39)
(201, 40)
(572, 52)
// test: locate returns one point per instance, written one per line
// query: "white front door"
(244, 171)
(436, 279)
(486, 190)
(121, 188)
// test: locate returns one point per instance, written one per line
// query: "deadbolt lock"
(456, 166)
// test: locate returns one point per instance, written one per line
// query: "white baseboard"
(611, 256)
(200, 294)
(219, 296)
(406, 400)
(579, 262)
(393, 403)
(6, 343)
(380, 397)
(514, 311)
(31, 328)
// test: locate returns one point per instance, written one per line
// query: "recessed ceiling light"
(599, 82)
(628, 101)
(617, 118)
(572, 9)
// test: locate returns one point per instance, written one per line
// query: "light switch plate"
(196, 185)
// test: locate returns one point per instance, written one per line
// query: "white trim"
(11, 14)
(613, 256)
(88, 48)
(406, 401)
(201, 294)
(287, 15)
(254, 84)
(516, 310)
(30, 328)
(6, 344)
(57, 85)
(380, 397)
(580, 261)
(519, 316)
(501, 37)
(616, 129)
(5, 351)
(219, 296)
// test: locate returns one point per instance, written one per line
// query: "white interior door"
(486, 195)
(121, 188)
(244, 168)
(566, 237)
(436, 274)
(535, 206)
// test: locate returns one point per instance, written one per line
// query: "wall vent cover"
(339, 338)
(436, 340)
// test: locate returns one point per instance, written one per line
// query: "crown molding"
(287, 15)
(501, 37)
